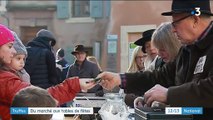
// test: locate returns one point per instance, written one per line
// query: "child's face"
(18, 62)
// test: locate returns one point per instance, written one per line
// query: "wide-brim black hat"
(188, 6)
(146, 36)
(78, 48)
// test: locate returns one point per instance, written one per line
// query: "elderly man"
(188, 80)
(83, 68)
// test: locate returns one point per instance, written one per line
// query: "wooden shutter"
(96, 8)
(63, 11)
(108, 7)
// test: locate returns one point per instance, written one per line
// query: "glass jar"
(114, 108)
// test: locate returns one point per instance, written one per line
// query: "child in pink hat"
(18, 60)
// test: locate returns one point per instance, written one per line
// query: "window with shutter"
(85, 11)
(63, 9)
(80, 8)
(81, 11)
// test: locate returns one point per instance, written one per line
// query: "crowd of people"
(171, 64)
(11, 81)
(187, 79)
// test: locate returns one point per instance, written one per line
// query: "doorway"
(28, 33)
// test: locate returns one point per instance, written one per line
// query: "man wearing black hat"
(82, 67)
(188, 80)
(153, 61)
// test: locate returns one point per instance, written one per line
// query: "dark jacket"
(86, 70)
(189, 78)
(40, 63)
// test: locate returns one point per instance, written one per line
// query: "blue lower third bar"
(192, 110)
(18, 110)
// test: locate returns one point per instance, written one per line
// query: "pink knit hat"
(5, 35)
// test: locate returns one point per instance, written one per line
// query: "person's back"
(62, 65)
(31, 97)
(40, 63)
